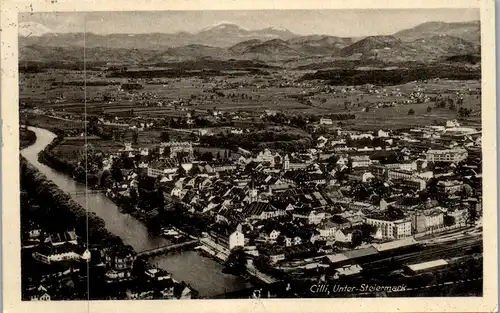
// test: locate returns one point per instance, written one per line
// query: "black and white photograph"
(251, 154)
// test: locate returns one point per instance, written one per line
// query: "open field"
(394, 118)
(74, 150)
(48, 122)
(280, 91)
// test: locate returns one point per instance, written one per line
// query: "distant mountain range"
(428, 41)
(469, 31)
(220, 35)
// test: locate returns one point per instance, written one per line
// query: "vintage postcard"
(272, 155)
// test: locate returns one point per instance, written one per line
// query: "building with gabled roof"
(262, 210)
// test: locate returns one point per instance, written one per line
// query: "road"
(252, 270)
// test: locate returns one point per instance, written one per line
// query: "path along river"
(203, 274)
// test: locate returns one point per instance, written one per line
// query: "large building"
(400, 174)
(425, 220)
(179, 147)
(361, 161)
(326, 121)
(226, 238)
(390, 228)
(449, 155)
(120, 258)
(162, 167)
(450, 186)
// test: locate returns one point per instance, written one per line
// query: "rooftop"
(427, 265)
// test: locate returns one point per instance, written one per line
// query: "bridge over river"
(86, 192)
(203, 274)
(169, 248)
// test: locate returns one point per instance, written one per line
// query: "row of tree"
(259, 140)
(59, 209)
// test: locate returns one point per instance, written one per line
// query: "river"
(203, 274)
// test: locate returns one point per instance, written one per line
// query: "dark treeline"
(468, 58)
(82, 83)
(131, 86)
(214, 65)
(61, 208)
(36, 67)
(346, 64)
(259, 140)
(177, 73)
(47, 157)
(27, 138)
(172, 73)
(341, 116)
(302, 121)
(393, 76)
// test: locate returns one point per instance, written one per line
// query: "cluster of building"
(61, 260)
(292, 205)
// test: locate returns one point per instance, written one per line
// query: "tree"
(165, 137)
(195, 170)
(367, 230)
(236, 260)
(263, 263)
(472, 216)
(449, 221)
(92, 125)
(207, 156)
(357, 238)
(411, 112)
(451, 104)
(134, 197)
(280, 240)
(181, 171)
(135, 137)
(349, 165)
(346, 104)
(116, 171)
(441, 104)
(463, 112)
(126, 162)
(79, 173)
(160, 198)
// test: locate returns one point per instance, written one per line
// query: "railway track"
(434, 252)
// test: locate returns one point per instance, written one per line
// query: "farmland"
(177, 103)
(280, 91)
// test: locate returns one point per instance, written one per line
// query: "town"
(229, 163)
(333, 209)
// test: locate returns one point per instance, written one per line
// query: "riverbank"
(86, 223)
(26, 138)
(182, 219)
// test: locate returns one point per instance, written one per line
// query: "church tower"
(287, 163)
(253, 192)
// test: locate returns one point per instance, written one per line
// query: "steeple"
(287, 163)
(253, 191)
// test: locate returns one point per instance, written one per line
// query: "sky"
(346, 23)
